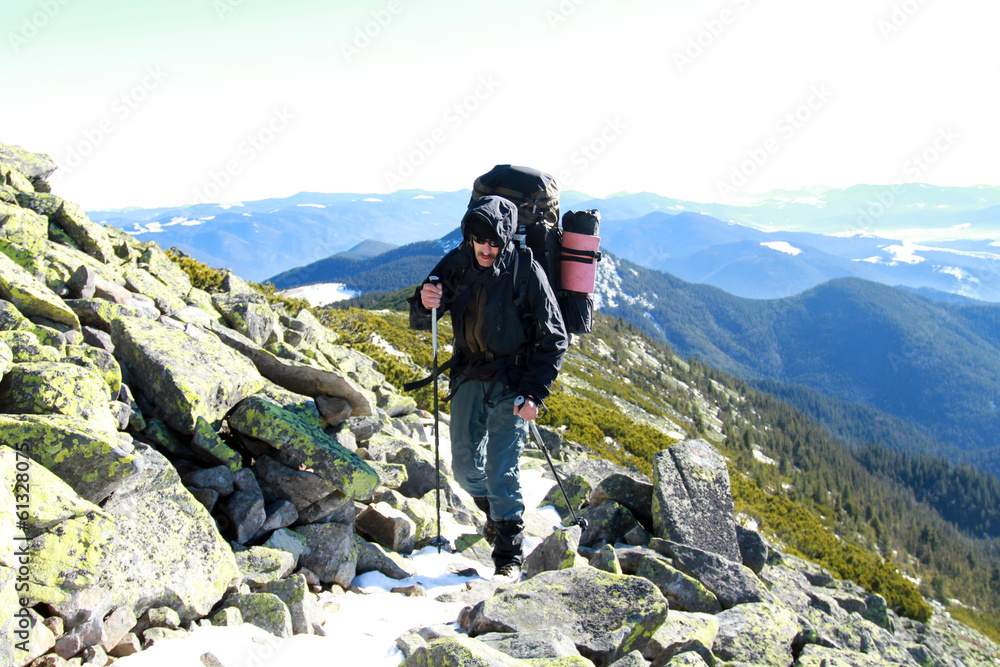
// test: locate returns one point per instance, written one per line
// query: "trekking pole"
(577, 521)
(437, 541)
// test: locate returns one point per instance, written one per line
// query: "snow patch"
(371, 199)
(226, 207)
(320, 294)
(423, 197)
(782, 246)
(313, 205)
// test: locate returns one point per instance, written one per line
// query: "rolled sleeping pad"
(580, 250)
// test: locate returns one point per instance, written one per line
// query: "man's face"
(486, 253)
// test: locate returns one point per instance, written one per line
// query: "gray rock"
(692, 502)
(362, 427)
(302, 604)
(289, 541)
(388, 527)
(606, 559)
(459, 650)
(265, 610)
(300, 487)
(577, 488)
(753, 550)
(219, 479)
(759, 633)
(374, 558)
(183, 375)
(547, 643)
(263, 565)
(245, 507)
(634, 495)
(608, 523)
(93, 460)
(421, 475)
(731, 582)
(682, 591)
(684, 632)
(332, 554)
(300, 378)
(558, 551)
(603, 614)
(335, 411)
(335, 508)
(163, 617)
(330, 457)
(280, 514)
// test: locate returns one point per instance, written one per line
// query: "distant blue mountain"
(916, 236)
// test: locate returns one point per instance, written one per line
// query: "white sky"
(152, 103)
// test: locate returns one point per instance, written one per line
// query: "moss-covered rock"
(6, 358)
(155, 261)
(682, 591)
(249, 313)
(30, 296)
(759, 633)
(459, 650)
(69, 538)
(34, 166)
(99, 361)
(681, 633)
(11, 318)
(25, 347)
(261, 565)
(142, 282)
(300, 378)
(604, 614)
(265, 610)
(19, 224)
(207, 443)
(94, 462)
(186, 376)
(46, 387)
(300, 440)
(168, 550)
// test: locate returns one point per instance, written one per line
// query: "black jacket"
(524, 345)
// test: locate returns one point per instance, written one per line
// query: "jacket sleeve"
(550, 338)
(420, 317)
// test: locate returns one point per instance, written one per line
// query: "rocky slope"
(170, 457)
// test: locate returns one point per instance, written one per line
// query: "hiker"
(506, 355)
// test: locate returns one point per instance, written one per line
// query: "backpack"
(568, 256)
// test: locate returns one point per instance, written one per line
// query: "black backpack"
(536, 195)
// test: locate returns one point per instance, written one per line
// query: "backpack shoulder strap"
(522, 271)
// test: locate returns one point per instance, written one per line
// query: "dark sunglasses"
(491, 242)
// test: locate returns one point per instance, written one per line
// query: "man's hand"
(527, 410)
(430, 295)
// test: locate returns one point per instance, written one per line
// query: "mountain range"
(918, 236)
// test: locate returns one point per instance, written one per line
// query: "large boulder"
(300, 378)
(45, 387)
(34, 166)
(731, 582)
(94, 461)
(606, 615)
(332, 552)
(186, 374)
(169, 551)
(757, 633)
(692, 499)
(31, 297)
(460, 650)
(306, 445)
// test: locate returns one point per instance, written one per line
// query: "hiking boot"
(490, 528)
(507, 573)
(507, 552)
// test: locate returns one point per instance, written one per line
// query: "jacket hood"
(501, 215)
